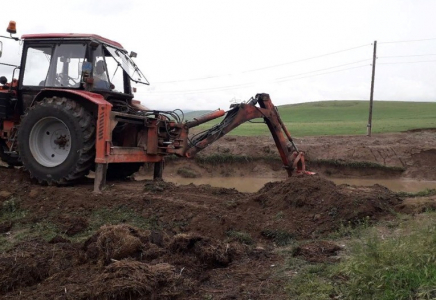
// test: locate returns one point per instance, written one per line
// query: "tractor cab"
(76, 61)
(69, 61)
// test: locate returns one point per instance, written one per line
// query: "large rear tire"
(56, 141)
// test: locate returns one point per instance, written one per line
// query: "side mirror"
(133, 54)
(1, 49)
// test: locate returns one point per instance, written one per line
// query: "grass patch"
(119, 215)
(402, 267)
(10, 210)
(242, 237)
(356, 164)
(312, 281)
(280, 237)
(187, 173)
(228, 158)
(352, 229)
(22, 232)
(423, 193)
(394, 266)
(48, 230)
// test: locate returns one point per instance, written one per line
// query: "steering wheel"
(60, 77)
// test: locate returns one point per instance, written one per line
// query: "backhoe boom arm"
(241, 113)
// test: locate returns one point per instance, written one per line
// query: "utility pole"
(369, 126)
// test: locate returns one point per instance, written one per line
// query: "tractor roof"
(41, 36)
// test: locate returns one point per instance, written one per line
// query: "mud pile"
(298, 208)
(118, 262)
(310, 206)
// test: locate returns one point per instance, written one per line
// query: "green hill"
(346, 118)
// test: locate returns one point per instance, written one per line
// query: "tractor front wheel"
(56, 141)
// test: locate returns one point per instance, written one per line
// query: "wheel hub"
(50, 142)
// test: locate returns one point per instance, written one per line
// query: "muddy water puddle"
(253, 184)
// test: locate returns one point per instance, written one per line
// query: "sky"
(203, 55)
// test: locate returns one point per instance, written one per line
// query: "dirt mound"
(129, 279)
(317, 251)
(115, 243)
(215, 254)
(71, 225)
(118, 262)
(34, 261)
(308, 206)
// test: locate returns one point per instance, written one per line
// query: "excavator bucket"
(299, 163)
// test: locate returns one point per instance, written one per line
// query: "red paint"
(93, 97)
(71, 36)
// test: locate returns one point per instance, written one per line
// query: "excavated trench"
(254, 184)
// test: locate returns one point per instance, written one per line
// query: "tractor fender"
(85, 98)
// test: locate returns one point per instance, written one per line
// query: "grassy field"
(394, 261)
(345, 118)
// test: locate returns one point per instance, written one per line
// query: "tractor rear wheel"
(56, 141)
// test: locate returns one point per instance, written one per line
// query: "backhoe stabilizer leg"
(100, 177)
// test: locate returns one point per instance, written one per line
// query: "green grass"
(280, 237)
(397, 265)
(228, 158)
(240, 236)
(356, 164)
(11, 211)
(187, 173)
(423, 193)
(24, 230)
(117, 215)
(345, 118)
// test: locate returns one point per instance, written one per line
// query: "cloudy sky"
(207, 54)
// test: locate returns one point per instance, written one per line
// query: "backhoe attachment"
(151, 135)
(293, 159)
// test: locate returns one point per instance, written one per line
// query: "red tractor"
(64, 116)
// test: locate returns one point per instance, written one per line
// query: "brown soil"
(413, 151)
(202, 242)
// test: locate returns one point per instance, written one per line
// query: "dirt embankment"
(193, 242)
(409, 154)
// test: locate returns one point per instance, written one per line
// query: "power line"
(206, 89)
(225, 88)
(305, 59)
(407, 41)
(324, 73)
(324, 69)
(406, 55)
(407, 62)
(268, 67)
(249, 84)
